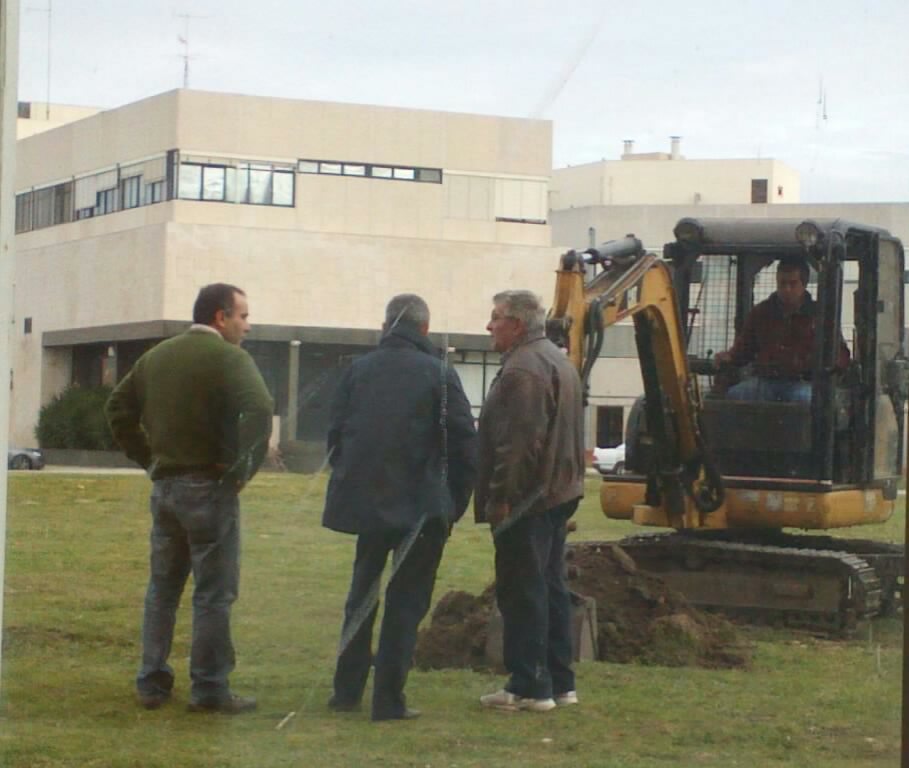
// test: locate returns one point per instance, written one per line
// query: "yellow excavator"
(730, 475)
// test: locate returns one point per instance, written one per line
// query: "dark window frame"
(131, 191)
(106, 201)
(759, 191)
(383, 171)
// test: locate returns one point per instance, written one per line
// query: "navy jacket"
(386, 439)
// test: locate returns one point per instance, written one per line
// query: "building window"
(759, 190)
(258, 188)
(430, 175)
(365, 170)
(154, 192)
(189, 184)
(43, 210)
(106, 202)
(25, 110)
(282, 189)
(94, 194)
(63, 203)
(27, 325)
(45, 207)
(249, 183)
(24, 203)
(130, 189)
(610, 419)
(214, 182)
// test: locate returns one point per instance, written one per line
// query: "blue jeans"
(535, 604)
(779, 390)
(195, 527)
(407, 599)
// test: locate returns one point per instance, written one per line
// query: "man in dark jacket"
(531, 478)
(777, 337)
(402, 445)
(195, 413)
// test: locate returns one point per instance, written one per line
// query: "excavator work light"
(808, 234)
(688, 231)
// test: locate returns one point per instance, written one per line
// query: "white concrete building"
(319, 211)
(668, 178)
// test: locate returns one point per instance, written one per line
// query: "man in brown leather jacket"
(531, 477)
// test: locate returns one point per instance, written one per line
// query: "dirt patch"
(639, 619)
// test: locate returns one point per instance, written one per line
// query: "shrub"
(75, 419)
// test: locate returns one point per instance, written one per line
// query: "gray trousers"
(195, 527)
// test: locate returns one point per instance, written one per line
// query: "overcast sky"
(734, 78)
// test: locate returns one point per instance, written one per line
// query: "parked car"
(24, 458)
(609, 460)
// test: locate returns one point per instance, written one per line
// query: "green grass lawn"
(76, 571)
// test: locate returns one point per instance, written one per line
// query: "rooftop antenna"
(184, 41)
(821, 110)
(49, 12)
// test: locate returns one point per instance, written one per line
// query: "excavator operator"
(777, 338)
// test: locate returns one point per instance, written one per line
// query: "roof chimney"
(675, 151)
(628, 147)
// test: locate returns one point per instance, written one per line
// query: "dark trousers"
(195, 527)
(407, 599)
(535, 604)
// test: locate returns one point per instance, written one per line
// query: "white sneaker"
(566, 699)
(536, 705)
(509, 702)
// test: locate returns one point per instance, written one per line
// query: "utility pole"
(904, 761)
(9, 74)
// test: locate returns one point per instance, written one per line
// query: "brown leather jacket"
(531, 432)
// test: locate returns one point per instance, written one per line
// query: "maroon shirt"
(780, 346)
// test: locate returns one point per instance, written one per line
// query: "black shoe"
(339, 705)
(407, 714)
(232, 705)
(153, 700)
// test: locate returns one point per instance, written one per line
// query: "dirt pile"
(639, 619)
(456, 635)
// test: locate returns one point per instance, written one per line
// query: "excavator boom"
(636, 284)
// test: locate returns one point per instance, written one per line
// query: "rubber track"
(887, 559)
(857, 582)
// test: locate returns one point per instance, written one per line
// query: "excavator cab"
(850, 432)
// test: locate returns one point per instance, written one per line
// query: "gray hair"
(406, 309)
(525, 306)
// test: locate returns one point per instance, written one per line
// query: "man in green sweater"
(196, 414)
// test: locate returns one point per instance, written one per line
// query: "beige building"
(39, 116)
(668, 178)
(320, 211)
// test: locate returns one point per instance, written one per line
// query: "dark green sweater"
(193, 403)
